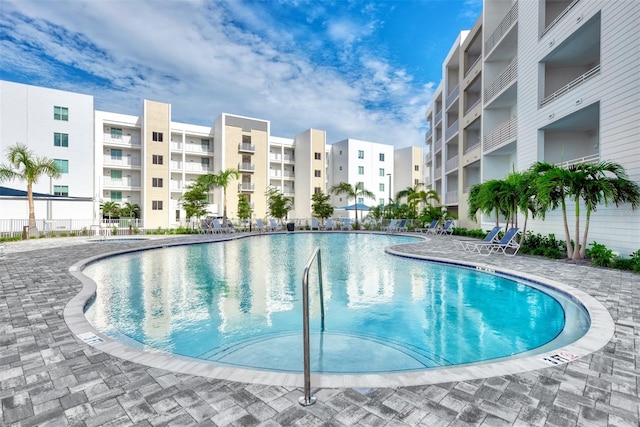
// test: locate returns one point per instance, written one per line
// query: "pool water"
(239, 303)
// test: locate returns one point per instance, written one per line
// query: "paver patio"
(49, 377)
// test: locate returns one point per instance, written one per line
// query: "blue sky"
(357, 69)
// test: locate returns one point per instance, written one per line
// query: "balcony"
(507, 131)
(438, 117)
(559, 17)
(190, 166)
(593, 158)
(127, 140)
(451, 164)
(437, 146)
(176, 185)
(427, 136)
(451, 197)
(245, 147)
(472, 66)
(121, 161)
(507, 22)
(472, 144)
(451, 130)
(126, 182)
(571, 85)
(246, 186)
(505, 78)
(198, 148)
(453, 95)
(437, 173)
(246, 167)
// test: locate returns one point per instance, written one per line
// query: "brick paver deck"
(49, 377)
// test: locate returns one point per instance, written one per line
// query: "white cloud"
(209, 57)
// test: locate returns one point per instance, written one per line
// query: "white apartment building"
(371, 163)
(57, 125)
(545, 80)
(410, 168)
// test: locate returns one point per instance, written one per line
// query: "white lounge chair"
(273, 225)
(260, 226)
(472, 245)
(432, 226)
(328, 225)
(392, 226)
(447, 228)
(402, 226)
(503, 245)
(346, 224)
(314, 224)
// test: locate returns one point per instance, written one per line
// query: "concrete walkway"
(48, 376)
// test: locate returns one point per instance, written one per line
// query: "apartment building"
(544, 80)
(410, 168)
(371, 163)
(58, 125)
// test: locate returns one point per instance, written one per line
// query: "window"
(381, 187)
(416, 181)
(156, 182)
(116, 154)
(317, 173)
(381, 157)
(381, 201)
(416, 168)
(63, 165)
(360, 154)
(340, 167)
(381, 171)
(116, 175)
(204, 143)
(156, 136)
(61, 113)
(116, 133)
(156, 159)
(360, 170)
(156, 205)
(360, 200)
(318, 156)
(177, 214)
(341, 152)
(204, 162)
(116, 196)
(61, 190)
(317, 190)
(60, 139)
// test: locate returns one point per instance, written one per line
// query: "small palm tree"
(130, 210)
(421, 196)
(221, 179)
(26, 166)
(408, 192)
(110, 209)
(353, 192)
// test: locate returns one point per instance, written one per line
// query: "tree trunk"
(33, 229)
(567, 236)
(577, 255)
(583, 250)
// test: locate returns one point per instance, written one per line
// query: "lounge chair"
(273, 225)
(447, 228)
(260, 226)
(206, 226)
(432, 226)
(346, 224)
(402, 227)
(329, 225)
(472, 245)
(503, 245)
(314, 224)
(392, 226)
(217, 227)
(230, 228)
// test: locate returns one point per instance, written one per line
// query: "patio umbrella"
(361, 207)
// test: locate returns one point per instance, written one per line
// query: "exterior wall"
(308, 145)
(156, 118)
(405, 162)
(26, 116)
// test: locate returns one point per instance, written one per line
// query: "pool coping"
(599, 334)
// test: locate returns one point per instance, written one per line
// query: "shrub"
(600, 255)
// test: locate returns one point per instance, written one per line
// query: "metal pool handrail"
(307, 399)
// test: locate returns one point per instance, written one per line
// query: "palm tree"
(221, 179)
(110, 209)
(421, 196)
(353, 192)
(408, 191)
(130, 210)
(26, 166)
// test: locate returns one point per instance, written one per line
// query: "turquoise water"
(239, 303)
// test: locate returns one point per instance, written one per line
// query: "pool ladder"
(307, 399)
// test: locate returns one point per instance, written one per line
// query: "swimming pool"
(237, 303)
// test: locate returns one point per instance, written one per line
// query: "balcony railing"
(198, 148)
(451, 164)
(451, 130)
(571, 85)
(427, 135)
(437, 146)
(121, 161)
(470, 107)
(505, 78)
(438, 117)
(510, 18)
(453, 95)
(190, 166)
(124, 140)
(451, 197)
(472, 144)
(559, 17)
(468, 70)
(246, 186)
(246, 147)
(246, 167)
(593, 158)
(437, 173)
(505, 132)
(120, 183)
